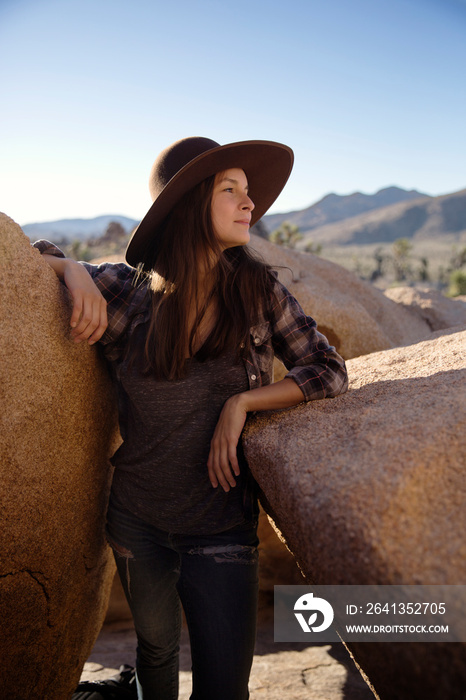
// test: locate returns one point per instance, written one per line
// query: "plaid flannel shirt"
(283, 330)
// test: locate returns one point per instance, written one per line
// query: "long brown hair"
(238, 284)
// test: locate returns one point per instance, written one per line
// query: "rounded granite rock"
(369, 488)
(58, 425)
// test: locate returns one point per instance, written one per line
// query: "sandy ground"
(280, 671)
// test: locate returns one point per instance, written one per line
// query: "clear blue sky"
(368, 93)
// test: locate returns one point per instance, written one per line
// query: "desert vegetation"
(437, 262)
(112, 242)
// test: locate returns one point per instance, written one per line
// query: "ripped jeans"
(215, 579)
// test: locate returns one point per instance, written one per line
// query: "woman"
(193, 323)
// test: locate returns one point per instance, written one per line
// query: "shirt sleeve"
(314, 365)
(117, 283)
(47, 248)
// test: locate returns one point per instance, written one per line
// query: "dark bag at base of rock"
(120, 687)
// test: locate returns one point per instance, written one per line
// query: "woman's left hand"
(223, 460)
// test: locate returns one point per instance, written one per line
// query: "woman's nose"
(248, 203)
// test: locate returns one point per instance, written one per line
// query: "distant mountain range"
(357, 218)
(335, 207)
(418, 219)
(76, 229)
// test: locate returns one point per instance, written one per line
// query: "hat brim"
(267, 165)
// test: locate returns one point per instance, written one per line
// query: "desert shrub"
(457, 283)
(286, 235)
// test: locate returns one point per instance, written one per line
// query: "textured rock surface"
(55, 567)
(430, 305)
(356, 317)
(369, 488)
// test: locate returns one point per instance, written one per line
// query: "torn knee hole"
(119, 549)
(228, 553)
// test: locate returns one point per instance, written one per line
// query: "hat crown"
(174, 158)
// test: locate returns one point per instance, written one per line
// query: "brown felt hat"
(187, 162)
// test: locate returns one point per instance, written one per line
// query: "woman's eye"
(228, 189)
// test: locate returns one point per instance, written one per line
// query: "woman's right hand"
(89, 316)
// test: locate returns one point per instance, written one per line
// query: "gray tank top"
(161, 468)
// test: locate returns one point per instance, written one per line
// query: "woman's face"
(231, 208)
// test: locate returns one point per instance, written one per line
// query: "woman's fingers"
(89, 317)
(218, 463)
(77, 310)
(103, 323)
(220, 471)
(223, 460)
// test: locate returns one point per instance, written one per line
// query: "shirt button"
(253, 377)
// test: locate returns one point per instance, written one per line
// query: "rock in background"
(369, 488)
(431, 305)
(355, 316)
(58, 427)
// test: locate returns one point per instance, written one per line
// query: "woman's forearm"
(282, 394)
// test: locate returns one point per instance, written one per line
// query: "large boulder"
(58, 427)
(431, 305)
(356, 317)
(369, 488)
